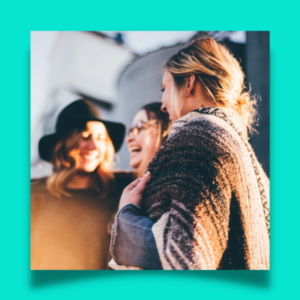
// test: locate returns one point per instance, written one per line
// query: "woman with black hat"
(72, 210)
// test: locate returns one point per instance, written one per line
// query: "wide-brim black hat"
(75, 116)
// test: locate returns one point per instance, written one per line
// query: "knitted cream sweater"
(209, 196)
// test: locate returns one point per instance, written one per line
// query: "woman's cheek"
(152, 145)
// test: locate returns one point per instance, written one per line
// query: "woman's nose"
(129, 138)
(91, 145)
(163, 108)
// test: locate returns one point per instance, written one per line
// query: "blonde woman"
(72, 210)
(205, 202)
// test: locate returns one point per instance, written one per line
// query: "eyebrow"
(135, 124)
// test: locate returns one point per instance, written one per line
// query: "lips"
(87, 158)
(135, 149)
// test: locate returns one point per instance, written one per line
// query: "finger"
(140, 187)
(132, 185)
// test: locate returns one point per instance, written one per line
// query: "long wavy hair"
(219, 73)
(64, 166)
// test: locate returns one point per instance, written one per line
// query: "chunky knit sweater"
(208, 195)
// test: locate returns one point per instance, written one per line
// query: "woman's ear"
(190, 85)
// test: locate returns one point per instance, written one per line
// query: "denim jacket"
(132, 240)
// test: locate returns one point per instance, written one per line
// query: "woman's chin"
(85, 172)
(88, 168)
(134, 164)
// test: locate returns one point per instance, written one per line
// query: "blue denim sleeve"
(132, 240)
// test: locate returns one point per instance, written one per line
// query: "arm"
(194, 178)
(133, 243)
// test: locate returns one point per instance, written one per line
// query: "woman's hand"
(133, 193)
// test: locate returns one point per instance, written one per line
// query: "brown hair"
(153, 111)
(64, 166)
(219, 73)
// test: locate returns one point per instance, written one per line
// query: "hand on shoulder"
(133, 193)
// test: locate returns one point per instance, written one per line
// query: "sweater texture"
(209, 196)
(73, 232)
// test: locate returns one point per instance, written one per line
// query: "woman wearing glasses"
(206, 203)
(150, 127)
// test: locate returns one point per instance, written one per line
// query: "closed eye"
(101, 137)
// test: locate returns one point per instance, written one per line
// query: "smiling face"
(142, 144)
(91, 147)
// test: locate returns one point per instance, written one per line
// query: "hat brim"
(115, 130)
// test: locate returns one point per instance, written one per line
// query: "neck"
(81, 181)
(140, 173)
(196, 100)
(193, 104)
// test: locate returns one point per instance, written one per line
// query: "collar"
(227, 115)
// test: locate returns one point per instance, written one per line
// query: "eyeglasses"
(141, 125)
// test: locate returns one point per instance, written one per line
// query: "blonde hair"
(64, 166)
(219, 73)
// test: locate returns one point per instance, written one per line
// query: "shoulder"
(38, 185)
(123, 178)
(195, 124)
(202, 133)
(198, 139)
(205, 132)
(38, 190)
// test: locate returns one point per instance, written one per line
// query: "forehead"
(95, 127)
(140, 116)
(167, 77)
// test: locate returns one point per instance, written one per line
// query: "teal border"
(18, 18)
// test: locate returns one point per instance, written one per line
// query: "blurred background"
(120, 71)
